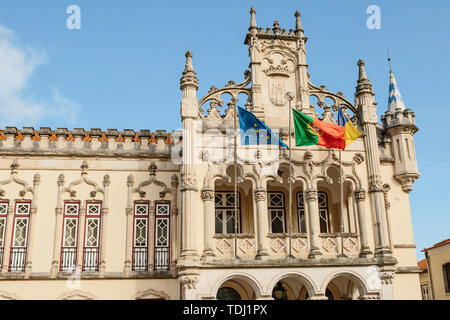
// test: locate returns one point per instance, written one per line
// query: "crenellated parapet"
(94, 142)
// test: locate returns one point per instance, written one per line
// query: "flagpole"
(341, 187)
(235, 182)
(290, 97)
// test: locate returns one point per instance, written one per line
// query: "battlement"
(88, 142)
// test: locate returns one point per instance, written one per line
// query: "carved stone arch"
(357, 279)
(240, 277)
(8, 296)
(354, 182)
(77, 295)
(84, 179)
(151, 294)
(25, 187)
(301, 277)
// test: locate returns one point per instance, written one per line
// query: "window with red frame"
(140, 237)
(19, 242)
(3, 218)
(70, 236)
(162, 236)
(92, 236)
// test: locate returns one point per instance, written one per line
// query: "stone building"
(92, 214)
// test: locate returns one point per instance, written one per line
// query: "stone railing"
(87, 142)
(223, 246)
(332, 244)
(279, 245)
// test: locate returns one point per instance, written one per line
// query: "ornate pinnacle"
(84, 166)
(276, 27)
(189, 77)
(253, 27)
(298, 23)
(363, 81)
(362, 71)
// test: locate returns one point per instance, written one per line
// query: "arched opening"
(238, 288)
(292, 287)
(345, 286)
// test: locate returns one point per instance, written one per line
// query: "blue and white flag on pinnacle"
(395, 98)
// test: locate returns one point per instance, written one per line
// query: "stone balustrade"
(88, 142)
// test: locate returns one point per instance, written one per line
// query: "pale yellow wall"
(437, 258)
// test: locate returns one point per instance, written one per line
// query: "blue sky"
(122, 69)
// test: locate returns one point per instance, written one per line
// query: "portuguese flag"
(310, 131)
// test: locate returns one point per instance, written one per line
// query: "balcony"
(18, 256)
(68, 259)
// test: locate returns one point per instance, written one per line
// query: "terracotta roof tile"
(104, 138)
(87, 137)
(53, 137)
(136, 138)
(19, 136)
(153, 139)
(422, 264)
(437, 245)
(169, 139)
(2, 136)
(120, 138)
(36, 136)
(70, 137)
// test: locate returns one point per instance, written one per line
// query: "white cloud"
(17, 64)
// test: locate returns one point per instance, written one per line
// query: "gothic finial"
(253, 27)
(298, 23)
(14, 166)
(276, 27)
(189, 76)
(84, 166)
(152, 169)
(362, 70)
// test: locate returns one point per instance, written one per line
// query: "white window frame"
(275, 209)
(227, 209)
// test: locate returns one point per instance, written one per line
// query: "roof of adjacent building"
(437, 245)
(422, 264)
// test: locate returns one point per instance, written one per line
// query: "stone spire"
(298, 23)
(364, 84)
(189, 77)
(253, 27)
(395, 98)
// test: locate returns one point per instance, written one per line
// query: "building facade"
(92, 214)
(435, 277)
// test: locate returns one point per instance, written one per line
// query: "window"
(3, 217)
(225, 215)
(140, 236)
(301, 213)
(276, 212)
(324, 214)
(20, 237)
(227, 293)
(70, 236)
(162, 236)
(446, 268)
(425, 295)
(92, 236)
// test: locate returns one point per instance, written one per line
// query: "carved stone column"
(129, 227)
(80, 244)
(314, 226)
(365, 102)
(32, 223)
(208, 220)
(263, 223)
(188, 280)
(58, 229)
(104, 221)
(360, 197)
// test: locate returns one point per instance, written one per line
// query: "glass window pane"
(219, 222)
(230, 221)
(302, 221)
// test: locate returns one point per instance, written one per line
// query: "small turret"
(253, 29)
(400, 126)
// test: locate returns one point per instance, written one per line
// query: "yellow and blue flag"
(351, 133)
(256, 132)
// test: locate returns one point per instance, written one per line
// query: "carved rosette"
(207, 195)
(260, 195)
(360, 195)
